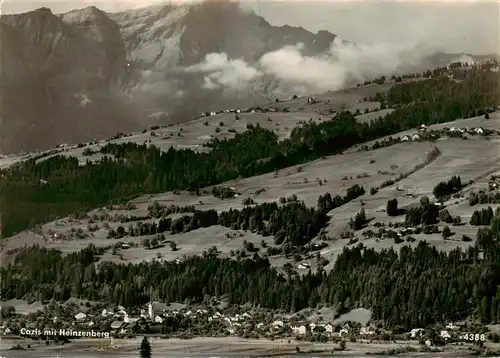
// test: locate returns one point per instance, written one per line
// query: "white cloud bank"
(342, 63)
(221, 71)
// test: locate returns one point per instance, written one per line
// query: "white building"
(106, 312)
(304, 265)
(365, 331)
(159, 319)
(417, 332)
(79, 316)
(444, 334)
(299, 330)
(277, 324)
(343, 332)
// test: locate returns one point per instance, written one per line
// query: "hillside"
(384, 196)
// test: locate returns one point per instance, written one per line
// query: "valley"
(382, 197)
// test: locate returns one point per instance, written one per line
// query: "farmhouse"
(277, 323)
(299, 329)
(444, 334)
(417, 332)
(79, 316)
(365, 331)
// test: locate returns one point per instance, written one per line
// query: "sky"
(452, 26)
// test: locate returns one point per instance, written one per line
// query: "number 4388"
(474, 337)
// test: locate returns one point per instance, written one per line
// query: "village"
(180, 321)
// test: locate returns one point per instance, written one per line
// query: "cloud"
(223, 72)
(341, 65)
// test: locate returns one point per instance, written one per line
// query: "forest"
(35, 192)
(292, 223)
(414, 287)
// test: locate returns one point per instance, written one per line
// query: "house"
(277, 324)
(328, 328)
(452, 326)
(127, 327)
(303, 265)
(417, 332)
(444, 334)
(405, 138)
(299, 330)
(158, 319)
(456, 130)
(366, 331)
(479, 130)
(416, 137)
(106, 312)
(79, 316)
(344, 332)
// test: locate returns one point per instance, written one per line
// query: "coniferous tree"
(145, 349)
(392, 207)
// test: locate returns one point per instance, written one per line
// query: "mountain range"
(87, 74)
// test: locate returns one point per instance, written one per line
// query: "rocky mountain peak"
(87, 74)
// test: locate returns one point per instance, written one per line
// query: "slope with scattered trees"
(35, 192)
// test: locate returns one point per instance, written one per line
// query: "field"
(474, 160)
(193, 134)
